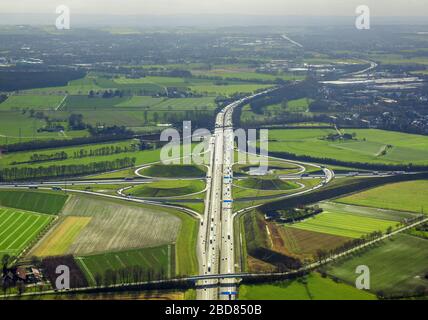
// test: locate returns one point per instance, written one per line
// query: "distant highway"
(373, 65)
(292, 41)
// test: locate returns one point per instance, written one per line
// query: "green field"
(19, 228)
(227, 90)
(140, 102)
(421, 72)
(271, 112)
(240, 192)
(195, 206)
(43, 202)
(185, 253)
(36, 102)
(238, 74)
(153, 80)
(344, 224)
(99, 84)
(22, 159)
(371, 212)
(174, 171)
(267, 183)
(85, 102)
(406, 148)
(126, 173)
(404, 196)
(80, 86)
(167, 188)
(149, 85)
(398, 59)
(16, 127)
(300, 105)
(396, 266)
(311, 287)
(143, 103)
(98, 188)
(157, 260)
(164, 104)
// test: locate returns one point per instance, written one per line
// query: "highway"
(216, 238)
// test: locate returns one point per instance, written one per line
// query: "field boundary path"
(61, 103)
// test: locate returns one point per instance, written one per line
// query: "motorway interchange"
(216, 236)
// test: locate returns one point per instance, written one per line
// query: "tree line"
(82, 153)
(50, 144)
(15, 79)
(104, 151)
(48, 157)
(54, 171)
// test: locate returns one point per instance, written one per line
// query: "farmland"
(398, 59)
(397, 266)
(244, 74)
(346, 225)
(270, 112)
(174, 104)
(16, 127)
(149, 85)
(382, 214)
(227, 90)
(35, 102)
(43, 202)
(82, 153)
(311, 287)
(157, 260)
(305, 244)
(405, 148)
(19, 228)
(84, 102)
(119, 226)
(145, 103)
(61, 238)
(405, 196)
(167, 188)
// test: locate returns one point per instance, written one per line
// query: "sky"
(242, 7)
